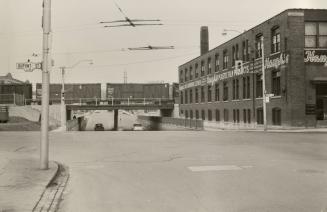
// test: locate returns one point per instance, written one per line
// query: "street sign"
(28, 66)
(25, 66)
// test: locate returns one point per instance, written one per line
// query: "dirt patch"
(19, 124)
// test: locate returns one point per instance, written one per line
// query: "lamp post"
(264, 102)
(230, 30)
(63, 117)
(46, 69)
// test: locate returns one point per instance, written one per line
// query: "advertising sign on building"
(318, 57)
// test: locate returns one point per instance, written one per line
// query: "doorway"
(321, 104)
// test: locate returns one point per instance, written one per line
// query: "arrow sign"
(28, 66)
(25, 66)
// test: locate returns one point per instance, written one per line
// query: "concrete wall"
(166, 123)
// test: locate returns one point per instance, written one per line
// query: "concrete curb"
(52, 194)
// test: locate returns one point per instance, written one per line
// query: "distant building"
(223, 86)
(8, 79)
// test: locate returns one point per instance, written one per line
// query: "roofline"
(284, 11)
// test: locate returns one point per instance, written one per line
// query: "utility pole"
(125, 77)
(46, 69)
(264, 103)
(63, 105)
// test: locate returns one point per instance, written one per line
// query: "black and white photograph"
(163, 106)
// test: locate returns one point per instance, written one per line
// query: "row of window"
(316, 34)
(276, 115)
(187, 97)
(190, 74)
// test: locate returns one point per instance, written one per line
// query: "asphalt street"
(187, 171)
(125, 119)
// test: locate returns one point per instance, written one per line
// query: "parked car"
(98, 127)
(138, 127)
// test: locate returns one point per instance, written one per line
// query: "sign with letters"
(318, 57)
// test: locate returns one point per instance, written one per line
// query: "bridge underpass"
(165, 106)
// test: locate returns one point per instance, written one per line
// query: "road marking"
(215, 168)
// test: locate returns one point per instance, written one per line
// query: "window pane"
(323, 41)
(310, 29)
(310, 41)
(323, 28)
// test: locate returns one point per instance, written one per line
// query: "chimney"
(204, 40)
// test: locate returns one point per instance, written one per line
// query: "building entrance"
(321, 92)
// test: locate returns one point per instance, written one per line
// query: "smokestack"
(204, 39)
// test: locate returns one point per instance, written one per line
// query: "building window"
(191, 72)
(186, 114)
(186, 75)
(276, 116)
(322, 35)
(191, 96)
(258, 46)
(316, 34)
(225, 91)
(236, 55)
(203, 115)
(181, 76)
(197, 114)
(191, 114)
(275, 77)
(245, 51)
(246, 116)
(236, 89)
(226, 115)
(209, 93)
(246, 87)
(196, 74)
(181, 95)
(202, 94)
(236, 115)
(196, 95)
(217, 97)
(182, 112)
(209, 115)
(217, 115)
(258, 85)
(202, 68)
(233, 55)
(259, 116)
(225, 59)
(275, 40)
(216, 62)
(209, 65)
(186, 99)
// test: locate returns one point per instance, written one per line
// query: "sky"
(77, 35)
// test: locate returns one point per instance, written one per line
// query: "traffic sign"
(28, 66)
(24, 66)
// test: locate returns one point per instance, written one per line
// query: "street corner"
(52, 195)
(22, 183)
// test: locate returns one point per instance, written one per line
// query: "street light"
(230, 30)
(63, 105)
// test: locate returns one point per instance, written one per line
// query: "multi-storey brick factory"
(223, 86)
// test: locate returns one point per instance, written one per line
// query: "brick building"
(223, 86)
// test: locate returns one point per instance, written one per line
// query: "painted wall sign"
(315, 57)
(277, 62)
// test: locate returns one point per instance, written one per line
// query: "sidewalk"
(22, 183)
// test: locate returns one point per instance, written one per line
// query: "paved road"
(125, 119)
(188, 171)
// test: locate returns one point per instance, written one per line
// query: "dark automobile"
(98, 127)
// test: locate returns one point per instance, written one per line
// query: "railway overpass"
(166, 106)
